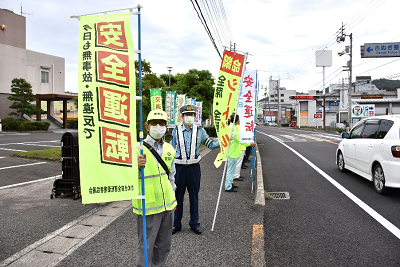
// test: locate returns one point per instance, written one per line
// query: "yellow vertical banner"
(225, 98)
(107, 109)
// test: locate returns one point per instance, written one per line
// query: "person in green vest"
(159, 175)
(235, 153)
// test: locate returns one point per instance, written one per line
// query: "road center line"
(379, 218)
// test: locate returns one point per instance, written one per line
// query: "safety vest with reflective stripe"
(159, 194)
(193, 144)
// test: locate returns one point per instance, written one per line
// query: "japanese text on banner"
(156, 99)
(246, 107)
(107, 109)
(225, 98)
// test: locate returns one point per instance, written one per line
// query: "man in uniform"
(159, 173)
(186, 139)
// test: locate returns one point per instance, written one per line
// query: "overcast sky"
(281, 35)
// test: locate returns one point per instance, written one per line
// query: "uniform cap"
(157, 114)
(187, 109)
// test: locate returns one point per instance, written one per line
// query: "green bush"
(11, 124)
(27, 126)
(34, 126)
(285, 124)
(211, 131)
(72, 124)
(339, 130)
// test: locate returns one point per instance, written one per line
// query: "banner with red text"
(107, 109)
(225, 98)
(247, 107)
(156, 98)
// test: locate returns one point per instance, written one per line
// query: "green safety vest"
(159, 194)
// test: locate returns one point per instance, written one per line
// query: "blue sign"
(333, 104)
(327, 109)
(382, 50)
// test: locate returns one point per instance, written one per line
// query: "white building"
(46, 73)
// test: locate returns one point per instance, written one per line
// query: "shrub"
(72, 124)
(285, 124)
(27, 126)
(34, 126)
(339, 130)
(211, 131)
(11, 123)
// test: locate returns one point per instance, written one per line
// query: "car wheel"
(340, 162)
(379, 179)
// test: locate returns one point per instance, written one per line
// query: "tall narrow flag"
(246, 106)
(107, 108)
(180, 101)
(199, 112)
(225, 98)
(170, 107)
(156, 98)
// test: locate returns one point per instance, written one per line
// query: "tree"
(197, 84)
(22, 96)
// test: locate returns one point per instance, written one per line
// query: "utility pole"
(341, 38)
(279, 103)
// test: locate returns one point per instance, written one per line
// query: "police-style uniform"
(187, 144)
(160, 201)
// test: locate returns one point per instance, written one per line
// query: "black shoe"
(197, 231)
(175, 230)
(239, 179)
(231, 190)
(235, 186)
(244, 167)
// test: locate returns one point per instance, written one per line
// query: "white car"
(372, 150)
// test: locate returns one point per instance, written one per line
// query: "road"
(331, 218)
(325, 222)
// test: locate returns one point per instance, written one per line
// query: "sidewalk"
(237, 239)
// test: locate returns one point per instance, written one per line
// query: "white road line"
(30, 182)
(17, 166)
(9, 149)
(379, 218)
(31, 143)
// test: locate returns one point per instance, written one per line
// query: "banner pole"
(229, 145)
(141, 140)
(254, 135)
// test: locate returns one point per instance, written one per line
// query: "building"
(46, 73)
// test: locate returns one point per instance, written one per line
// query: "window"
(44, 75)
(371, 129)
(356, 133)
(384, 127)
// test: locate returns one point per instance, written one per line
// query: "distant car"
(372, 150)
(293, 124)
(272, 124)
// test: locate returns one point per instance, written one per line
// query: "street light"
(169, 70)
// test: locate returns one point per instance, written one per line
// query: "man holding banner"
(159, 174)
(186, 139)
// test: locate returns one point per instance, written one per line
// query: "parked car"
(293, 124)
(272, 124)
(372, 150)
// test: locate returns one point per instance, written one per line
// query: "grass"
(53, 154)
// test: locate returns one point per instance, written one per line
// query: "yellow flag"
(225, 98)
(107, 109)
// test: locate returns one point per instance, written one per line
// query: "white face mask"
(189, 120)
(157, 131)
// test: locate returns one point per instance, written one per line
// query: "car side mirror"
(345, 135)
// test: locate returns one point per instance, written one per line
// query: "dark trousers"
(187, 176)
(247, 154)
